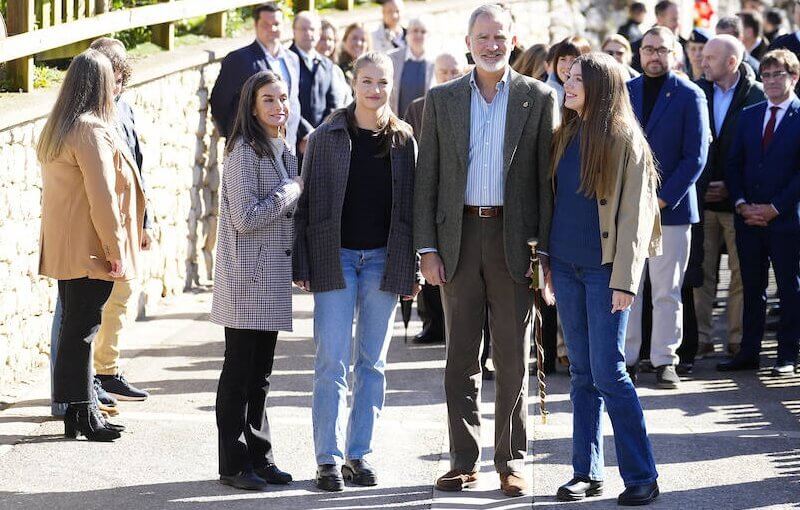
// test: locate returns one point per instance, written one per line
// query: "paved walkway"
(721, 442)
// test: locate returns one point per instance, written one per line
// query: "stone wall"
(182, 171)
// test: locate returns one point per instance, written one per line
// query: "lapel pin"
(525, 104)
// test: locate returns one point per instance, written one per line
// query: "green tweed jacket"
(441, 173)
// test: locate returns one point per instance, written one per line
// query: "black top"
(367, 209)
(652, 87)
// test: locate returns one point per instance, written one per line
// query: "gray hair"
(495, 11)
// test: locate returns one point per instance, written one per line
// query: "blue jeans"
(595, 341)
(56, 408)
(334, 311)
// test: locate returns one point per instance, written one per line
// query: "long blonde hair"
(88, 88)
(606, 122)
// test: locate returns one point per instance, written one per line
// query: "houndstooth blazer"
(253, 274)
(318, 222)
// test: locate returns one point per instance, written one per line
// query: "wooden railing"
(38, 26)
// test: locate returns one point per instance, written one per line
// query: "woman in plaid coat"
(252, 279)
(354, 252)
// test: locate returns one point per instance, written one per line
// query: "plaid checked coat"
(318, 222)
(253, 273)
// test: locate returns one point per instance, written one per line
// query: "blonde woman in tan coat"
(92, 219)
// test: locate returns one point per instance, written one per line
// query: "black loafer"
(329, 478)
(245, 480)
(271, 474)
(579, 488)
(638, 495)
(359, 472)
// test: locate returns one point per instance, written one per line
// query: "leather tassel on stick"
(537, 284)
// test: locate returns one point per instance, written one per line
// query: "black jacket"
(748, 92)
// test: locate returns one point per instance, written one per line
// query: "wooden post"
(43, 13)
(21, 19)
(164, 34)
(215, 24)
(102, 6)
(345, 5)
(303, 5)
(69, 10)
(89, 8)
(58, 12)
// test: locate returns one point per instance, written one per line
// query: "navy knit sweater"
(575, 230)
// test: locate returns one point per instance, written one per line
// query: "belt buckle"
(488, 213)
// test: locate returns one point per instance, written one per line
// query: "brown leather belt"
(483, 212)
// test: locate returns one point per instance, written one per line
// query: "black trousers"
(242, 425)
(429, 307)
(82, 300)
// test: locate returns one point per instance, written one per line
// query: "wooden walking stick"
(537, 284)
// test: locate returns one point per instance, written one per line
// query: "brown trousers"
(482, 277)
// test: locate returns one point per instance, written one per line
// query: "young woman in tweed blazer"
(354, 252)
(253, 277)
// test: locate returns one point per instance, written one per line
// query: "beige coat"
(92, 206)
(630, 220)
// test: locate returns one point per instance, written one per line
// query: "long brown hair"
(606, 122)
(246, 125)
(88, 88)
(392, 131)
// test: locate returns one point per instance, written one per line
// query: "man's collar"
(269, 55)
(500, 85)
(307, 55)
(733, 87)
(410, 55)
(784, 105)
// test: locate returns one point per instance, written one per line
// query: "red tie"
(770, 129)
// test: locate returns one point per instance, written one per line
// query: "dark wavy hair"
(246, 125)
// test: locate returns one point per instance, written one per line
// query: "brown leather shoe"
(512, 484)
(456, 480)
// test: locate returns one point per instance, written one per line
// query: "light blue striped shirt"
(487, 135)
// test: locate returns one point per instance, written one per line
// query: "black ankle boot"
(81, 420)
(107, 424)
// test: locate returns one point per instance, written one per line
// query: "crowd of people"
(366, 168)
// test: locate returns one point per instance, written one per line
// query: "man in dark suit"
(631, 29)
(674, 116)
(429, 302)
(790, 41)
(753, 34)
(476, 203)
(729, 89)
(266, 53)
(732, 25)
(316, 90)
(763, 177)
(667, 15)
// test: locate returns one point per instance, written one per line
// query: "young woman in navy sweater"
(605, 224)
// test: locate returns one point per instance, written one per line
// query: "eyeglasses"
(661, 50)
(776, 75)
(615, 53)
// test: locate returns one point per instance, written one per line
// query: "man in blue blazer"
(763, 178)
(673, 113)
(266, 53)
(317, 91)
